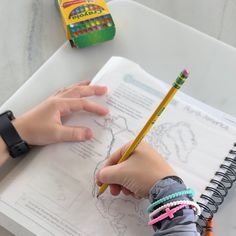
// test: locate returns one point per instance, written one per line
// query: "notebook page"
(185, 133)
(226, 119)
(52, 190)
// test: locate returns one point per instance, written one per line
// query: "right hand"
(138, 174)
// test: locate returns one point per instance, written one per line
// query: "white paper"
(52, 191)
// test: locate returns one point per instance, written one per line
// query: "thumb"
(110, 175)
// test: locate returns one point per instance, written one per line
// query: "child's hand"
(137, 175)
(42, 125)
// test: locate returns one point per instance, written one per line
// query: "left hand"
(42, 125)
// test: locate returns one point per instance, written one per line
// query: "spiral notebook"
(51, 191)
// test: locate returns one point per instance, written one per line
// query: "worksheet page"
(52, 191)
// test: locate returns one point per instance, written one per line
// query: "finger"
(109, 175)
(61, 92)
(94, 107)
(98, 182)
(80, 83)
(126, 191)
(83, 82)
(115, 189)
(69, 105)
(115, 157)
(67, 133)
(84, 91)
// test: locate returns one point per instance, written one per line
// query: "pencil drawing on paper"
(118, 210)
(115, 126)
(173, 140)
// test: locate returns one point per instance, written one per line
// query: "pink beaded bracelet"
(169, 213)
(195, 206)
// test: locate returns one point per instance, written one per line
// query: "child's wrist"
(167, 186)
(3, 151)
(23, 130)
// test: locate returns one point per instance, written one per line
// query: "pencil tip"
(98, 195)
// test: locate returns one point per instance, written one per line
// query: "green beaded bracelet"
(188, 191)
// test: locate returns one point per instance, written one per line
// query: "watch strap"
(16, 146)
(8, 132)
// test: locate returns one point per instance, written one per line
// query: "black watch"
(16, 146)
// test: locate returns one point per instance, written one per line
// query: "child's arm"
(184, 222)
(42, 125)
(147, 174)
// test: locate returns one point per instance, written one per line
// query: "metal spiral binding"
(227, 176)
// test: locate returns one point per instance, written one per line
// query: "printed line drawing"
(119, 211)
(173, 140)
(116, 125)
(47, 215)
(59, 189)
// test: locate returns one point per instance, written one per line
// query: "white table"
(160, 45)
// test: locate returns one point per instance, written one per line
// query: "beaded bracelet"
(169, 213)
(175, 203)
(188, 191)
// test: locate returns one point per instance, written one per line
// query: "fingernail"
(104, 89)
(106, 110)
(88, 134)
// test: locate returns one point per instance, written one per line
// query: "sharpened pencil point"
(98, 195)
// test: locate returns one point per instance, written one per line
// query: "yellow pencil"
(176, 85)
